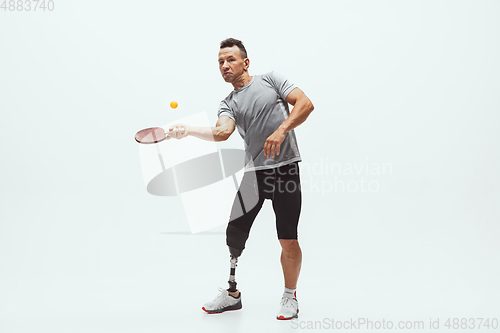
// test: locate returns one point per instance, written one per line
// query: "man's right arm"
(223, 129)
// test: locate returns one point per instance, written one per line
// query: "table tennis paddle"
(152, 135)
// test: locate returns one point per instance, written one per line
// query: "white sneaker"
(223, 302)
(289, 309)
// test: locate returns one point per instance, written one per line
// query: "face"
(231, 65)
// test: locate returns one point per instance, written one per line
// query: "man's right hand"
(177, 131)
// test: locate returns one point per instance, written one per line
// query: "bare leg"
(291, 261)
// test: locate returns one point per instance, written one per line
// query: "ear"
(247, 63)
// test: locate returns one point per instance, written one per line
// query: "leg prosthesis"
(235, 240)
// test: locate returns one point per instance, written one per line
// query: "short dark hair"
(230, 42)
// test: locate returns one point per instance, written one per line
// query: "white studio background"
(406, 101)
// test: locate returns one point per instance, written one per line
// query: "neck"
(242, 81)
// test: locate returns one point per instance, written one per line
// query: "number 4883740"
(27, 5)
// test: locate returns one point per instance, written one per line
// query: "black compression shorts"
(282, 186)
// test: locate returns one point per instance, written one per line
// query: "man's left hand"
(273, 143)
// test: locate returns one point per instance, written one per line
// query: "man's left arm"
(302, 108)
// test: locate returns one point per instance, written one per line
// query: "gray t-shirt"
(258, 109)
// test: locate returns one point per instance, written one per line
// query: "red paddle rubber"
(150, 135)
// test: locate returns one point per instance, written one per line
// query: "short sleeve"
(225, 110)
(281, 84)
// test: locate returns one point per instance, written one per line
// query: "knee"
(290, 247)
(235, 240)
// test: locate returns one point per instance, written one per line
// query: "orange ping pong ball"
(174, 104)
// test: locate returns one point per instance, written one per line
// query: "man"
(258, 106)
